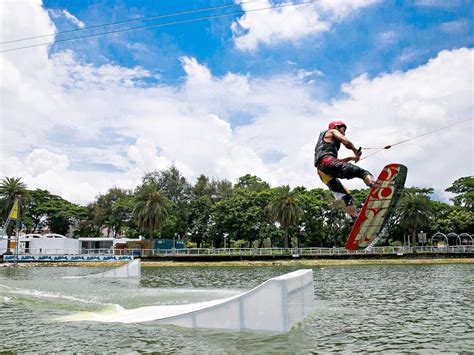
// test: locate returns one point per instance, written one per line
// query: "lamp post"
(422, 238)
(225, 240)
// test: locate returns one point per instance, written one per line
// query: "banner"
(14, 212)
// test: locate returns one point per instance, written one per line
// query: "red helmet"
(335, 124)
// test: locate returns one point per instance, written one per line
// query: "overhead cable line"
(413, 138)
(157, 25)
(187, 12)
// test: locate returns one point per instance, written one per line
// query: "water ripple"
(368, 309)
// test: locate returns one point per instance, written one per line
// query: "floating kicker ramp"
(274, 306)
(132, 269)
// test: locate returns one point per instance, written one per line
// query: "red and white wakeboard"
(378, 207)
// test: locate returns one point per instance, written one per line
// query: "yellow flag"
(14, 212)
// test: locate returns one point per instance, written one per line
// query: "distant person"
(331, 169)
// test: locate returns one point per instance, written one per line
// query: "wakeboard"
(378, 207)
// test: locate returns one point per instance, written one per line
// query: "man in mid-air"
(331, 169)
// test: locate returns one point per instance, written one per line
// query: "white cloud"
(304, 74)
(289, 23)
(456, 27)
(409, 54)
(386, 39)
(40, 160)
(53, 122)
(196, 73)
(437, 3)
(73, 19)
(56, 13)
(398, 106)
(341, 9)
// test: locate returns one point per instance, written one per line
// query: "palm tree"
(151, 209)
(11, 190)
(414, 210)
(285, 209)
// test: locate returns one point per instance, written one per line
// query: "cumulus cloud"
(64, 126)
(289, 23)
(40, 160)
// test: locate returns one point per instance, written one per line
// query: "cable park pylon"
(14, 215)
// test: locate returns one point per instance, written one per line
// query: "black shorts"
(340, 169)
(330, 170)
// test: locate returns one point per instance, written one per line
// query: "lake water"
(390, 308)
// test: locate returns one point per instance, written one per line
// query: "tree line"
(213, 212)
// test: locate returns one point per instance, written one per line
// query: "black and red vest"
(323, 148)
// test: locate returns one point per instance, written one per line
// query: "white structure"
(57, 244)
(274, 306)
(43, 244)
(132, 269)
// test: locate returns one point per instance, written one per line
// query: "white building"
(57, 244)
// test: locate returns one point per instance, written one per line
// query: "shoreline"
(244, 263)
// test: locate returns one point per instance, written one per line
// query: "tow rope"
(409, 139)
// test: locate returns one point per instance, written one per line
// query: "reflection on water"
(425, 308)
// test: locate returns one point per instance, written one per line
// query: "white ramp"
(274, 306)
(132, 269)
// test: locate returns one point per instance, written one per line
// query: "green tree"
(464, 188)
(414, 211)
(173, 186)
(200, 216)
(336, 221)
(223, 188)
(203, 187)
(359, 197)
(314, 203)
(214, 189)
(449, 219)
(121, 214)
(11, 190)
(252, 182)
(151, 209)
(33, 216)
(10, 187)
(418, 191)
(112, 210)
(86, 227)
(239, 216)
(285, 209)
(170, 183)
(60, 214)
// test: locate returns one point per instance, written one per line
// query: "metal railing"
(295, 252)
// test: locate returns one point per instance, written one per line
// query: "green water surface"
(390, 308)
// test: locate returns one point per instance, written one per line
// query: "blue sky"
(242, 94)
(384, 37)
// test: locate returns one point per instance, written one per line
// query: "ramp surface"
(132, 269)
(274, 306)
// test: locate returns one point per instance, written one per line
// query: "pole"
(17, 237)
(5, 232)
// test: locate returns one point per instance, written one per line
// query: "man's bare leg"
(351, 211)
(369, 180)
